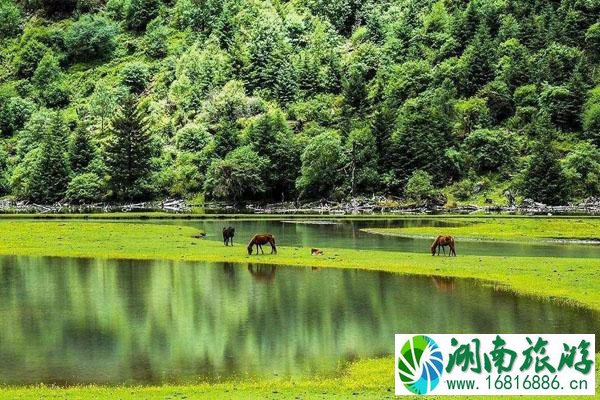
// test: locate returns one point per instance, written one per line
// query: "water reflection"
(74, 321)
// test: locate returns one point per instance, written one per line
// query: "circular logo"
(420, 364)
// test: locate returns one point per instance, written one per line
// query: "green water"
(76, 321)
(348, 234)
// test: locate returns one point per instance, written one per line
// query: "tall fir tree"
(543, 178)
(81, 148)
(128, 153)
(49, 176)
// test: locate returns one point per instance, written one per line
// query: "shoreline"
(360, 206)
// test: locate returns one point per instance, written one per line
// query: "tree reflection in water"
(74, 321)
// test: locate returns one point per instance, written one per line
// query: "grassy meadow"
(508, 228)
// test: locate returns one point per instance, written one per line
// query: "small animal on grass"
(228, 234)
(200, 235)
(259, 240)
(443, 241)
(316, 252)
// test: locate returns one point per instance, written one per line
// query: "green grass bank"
(506, 228)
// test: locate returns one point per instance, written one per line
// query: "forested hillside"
(279, 100)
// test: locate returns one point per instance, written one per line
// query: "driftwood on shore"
(170, 205)
(381, 205)
(359, 205)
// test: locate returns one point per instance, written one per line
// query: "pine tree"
(81, 149)
(128, 154)
(478, 61)
(543, 178)
(140, 12)
(49, 176)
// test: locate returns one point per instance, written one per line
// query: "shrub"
(135, 76)
(192, 138)
(86, 188)
(91, 37)
(582, 169)
(463, 190)
(140, 12)
(10, 19)
(321, 162)
(14, 113)
(489, 150)
(419, 186)
(155, 41)
(29, 56)
(237, 176)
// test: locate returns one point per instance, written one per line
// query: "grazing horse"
(316, 252)
(228, 234)
(443, 241)
(259, 240)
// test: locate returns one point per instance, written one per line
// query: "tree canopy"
(240, 99)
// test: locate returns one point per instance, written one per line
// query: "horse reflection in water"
(444, 284)
(262, 273)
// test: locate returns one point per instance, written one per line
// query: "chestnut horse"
(442, 242)
(259, 240)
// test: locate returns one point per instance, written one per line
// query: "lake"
(74, 321)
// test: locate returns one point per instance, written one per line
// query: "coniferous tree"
(128, 154)
(140, 12)
(543, 178)
(81, 149)
(49, 176)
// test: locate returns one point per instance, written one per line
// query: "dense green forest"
(278, 100)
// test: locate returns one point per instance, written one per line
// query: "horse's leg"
(261, 249)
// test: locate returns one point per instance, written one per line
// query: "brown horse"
(443, 241)
(259, 240)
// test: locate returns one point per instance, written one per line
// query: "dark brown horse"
(228, 234)
(443, 241)
(259, 240)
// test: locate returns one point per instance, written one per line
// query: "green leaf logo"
(420, 364)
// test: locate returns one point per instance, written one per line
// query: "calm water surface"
(75, 321)
(348, 234)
